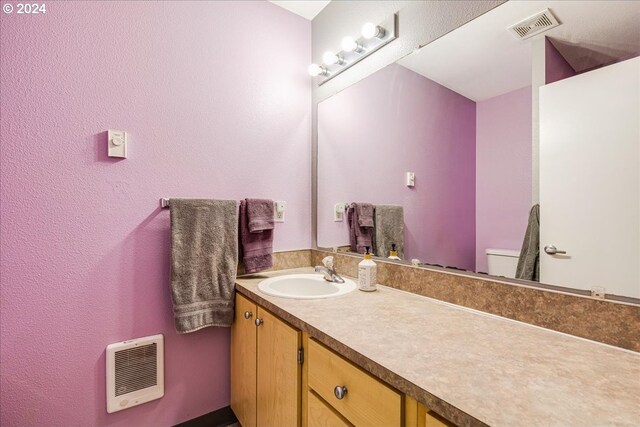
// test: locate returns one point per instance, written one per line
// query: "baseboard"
(221, 418)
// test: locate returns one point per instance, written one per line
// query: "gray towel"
(389, 229)
(204, 261)
(529, 262)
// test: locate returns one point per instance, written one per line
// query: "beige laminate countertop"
(473, 368)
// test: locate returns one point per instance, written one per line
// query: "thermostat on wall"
(117, 143)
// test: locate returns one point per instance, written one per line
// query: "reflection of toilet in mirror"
(502, 262)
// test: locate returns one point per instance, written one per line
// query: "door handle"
(552, 250)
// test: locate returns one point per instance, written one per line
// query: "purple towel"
(257, 248)
(359, 237)
(260, 215)
(365, 214)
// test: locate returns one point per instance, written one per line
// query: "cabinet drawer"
(367, 401)
(322, 415)
(428, 418)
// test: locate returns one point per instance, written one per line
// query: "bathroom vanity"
(395, 358)
(282, 377)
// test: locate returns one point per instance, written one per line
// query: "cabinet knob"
(248, 314)
(259, 322)
(340, 392)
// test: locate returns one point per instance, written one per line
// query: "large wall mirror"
(524, 151)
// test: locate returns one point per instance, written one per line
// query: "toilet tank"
(502, 262)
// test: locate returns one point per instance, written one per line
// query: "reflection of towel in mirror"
(389, 230)
(529, 261)
(204, 261)
(359, 236)
(365, 214)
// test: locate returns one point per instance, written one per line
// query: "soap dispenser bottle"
(393, 253)
(367, 273)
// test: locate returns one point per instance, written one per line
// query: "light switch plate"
(117, 143)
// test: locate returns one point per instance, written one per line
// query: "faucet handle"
(328, 261)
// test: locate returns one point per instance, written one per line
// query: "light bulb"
(370, 31)
(350, 45)
(316, 70)
(330, 58)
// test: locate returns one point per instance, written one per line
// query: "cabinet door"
(243, 362)
(278, 372)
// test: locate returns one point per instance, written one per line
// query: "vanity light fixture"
(370, 30)
(317, 70)
(350, 45)
(354, 50)
(330, 58)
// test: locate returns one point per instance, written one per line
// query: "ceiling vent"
(534, 25)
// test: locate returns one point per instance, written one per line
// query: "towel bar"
(164, 203)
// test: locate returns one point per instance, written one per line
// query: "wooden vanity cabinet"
(281, 377)
(367, 401)
(320, 414)
(265, 368)
(356, 395)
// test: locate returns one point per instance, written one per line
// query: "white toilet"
(502, 262)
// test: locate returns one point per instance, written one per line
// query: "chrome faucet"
(329, 271)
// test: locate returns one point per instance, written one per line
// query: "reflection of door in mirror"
(590, 179)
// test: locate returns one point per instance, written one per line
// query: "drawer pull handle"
(259, 322)
(248, 314)
(340, 392)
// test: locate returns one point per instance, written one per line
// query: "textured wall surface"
(387, 124)
(503, 172)
(213, 108)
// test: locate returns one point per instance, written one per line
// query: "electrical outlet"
(598, 292)
(338, 212)
(278, 211)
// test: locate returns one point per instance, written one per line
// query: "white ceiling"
(306, 8)
(482, 59)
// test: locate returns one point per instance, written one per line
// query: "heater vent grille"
(534, 25)
(136, 368)
(135, 372)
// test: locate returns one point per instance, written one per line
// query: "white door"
(590, 180)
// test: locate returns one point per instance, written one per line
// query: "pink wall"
(503, 175)
(372, 133)
(217, 102)
(556, 67)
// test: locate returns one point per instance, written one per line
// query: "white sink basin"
(304, 286)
